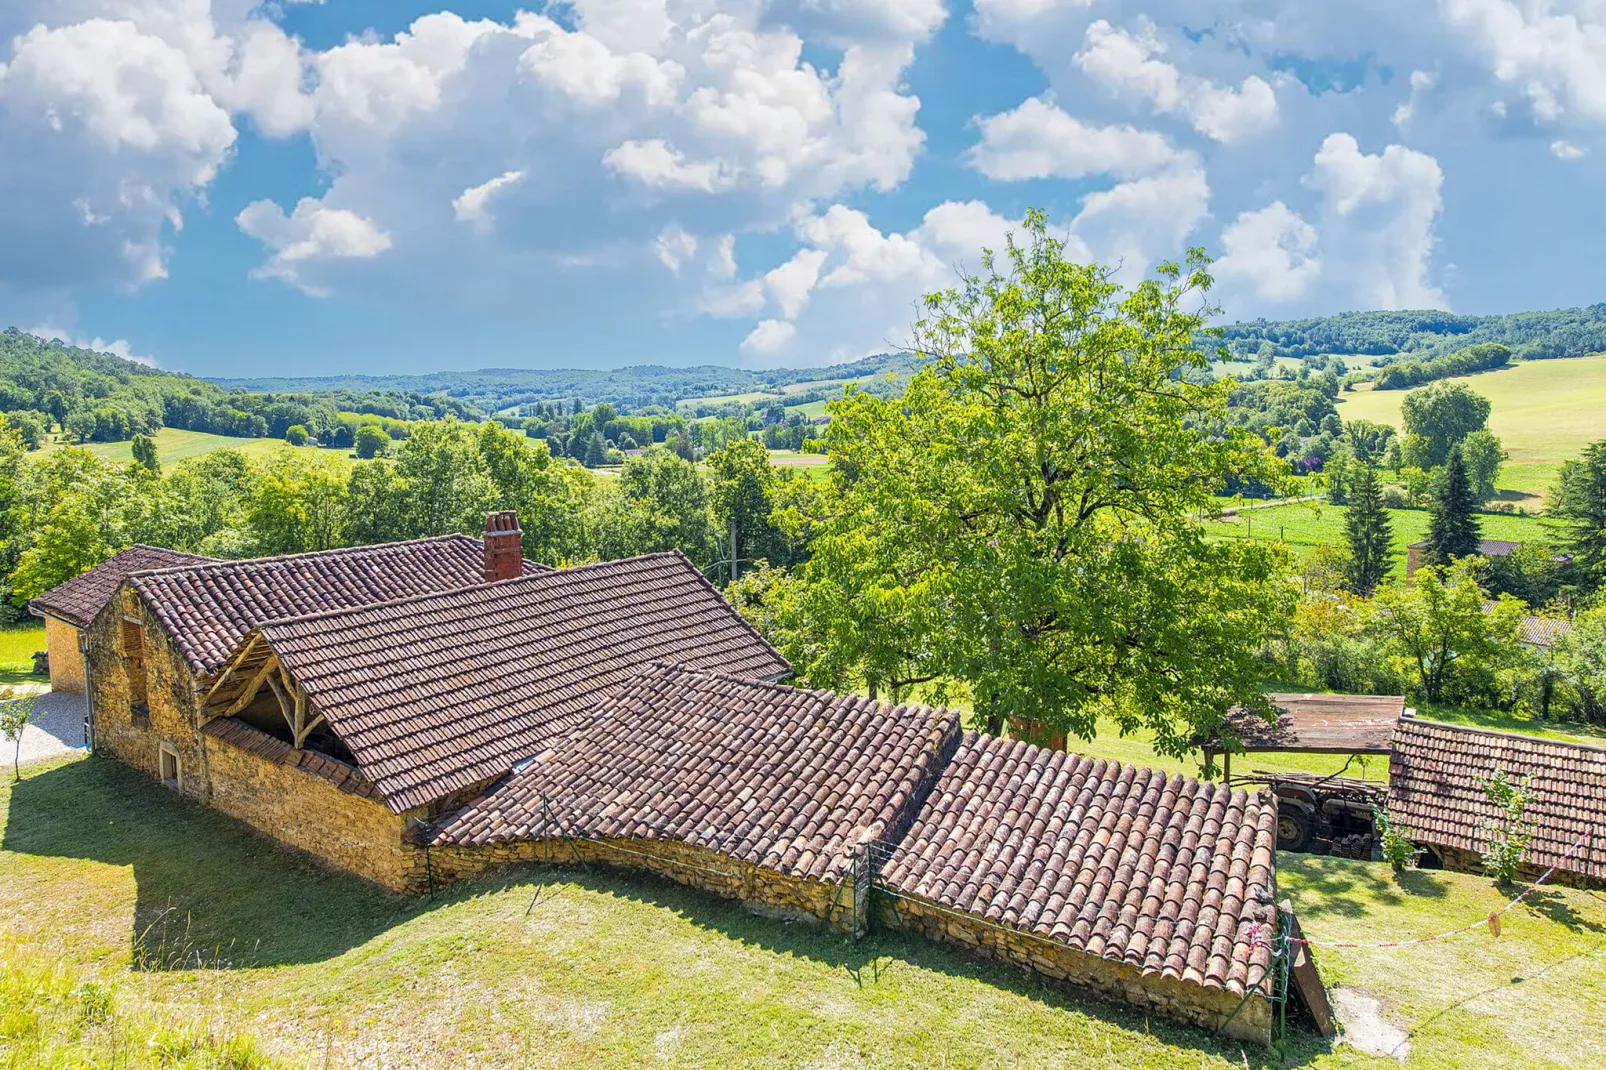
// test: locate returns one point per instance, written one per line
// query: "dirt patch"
(1365, 1028)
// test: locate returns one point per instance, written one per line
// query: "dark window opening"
(170, 768)
(133, 647)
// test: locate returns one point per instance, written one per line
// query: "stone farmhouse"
(420, 712)
(68, 609)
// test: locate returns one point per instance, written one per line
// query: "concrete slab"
(57, 728)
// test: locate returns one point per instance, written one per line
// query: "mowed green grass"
(1305, 526)
(1544, 411)
(18, 644)
(549, 966)
(174, 444)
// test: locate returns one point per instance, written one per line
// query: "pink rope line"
(1587, 837)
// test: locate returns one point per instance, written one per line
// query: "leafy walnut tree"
(1021, 521)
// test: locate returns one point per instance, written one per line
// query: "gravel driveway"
(57, 728)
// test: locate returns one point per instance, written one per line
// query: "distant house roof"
(1321, 724)
(1486, 547)
(771, 775)
(1163, 872)
(1433, 789)
(79, 599)
(1543, 631)
(208, 608)
(441, 692)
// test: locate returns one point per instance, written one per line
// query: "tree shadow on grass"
(1346, 888)
(1559, 909)
(878, 955)
(210, 892)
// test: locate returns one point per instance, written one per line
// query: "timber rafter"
(251, 675)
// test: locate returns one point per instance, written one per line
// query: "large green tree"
(1020, 521)
(659, 502)
(1483, 455)
(1452, 522)
(1438, 633)
(1436, 418)
(1579, 499)
(1369, 531)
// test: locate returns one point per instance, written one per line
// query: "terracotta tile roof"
(1433, 789)
(1543, 631)
(442, 692)
(768, 774)
(242, 735)
(1163, 872)
(208, 609)
(79, 599)
(1486, 547)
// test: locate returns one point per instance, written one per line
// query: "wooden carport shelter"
(1313, 724)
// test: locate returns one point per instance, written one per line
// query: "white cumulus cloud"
(1039, 140)
(313, 232)
(1129, 63)
(472, 205)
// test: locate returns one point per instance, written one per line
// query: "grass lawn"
(1307, 525)
(205, 935)
(1545, 412)
(174, 444)
(18, 645)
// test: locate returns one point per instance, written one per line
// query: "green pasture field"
(1305, 526)
(1544, 411)
(140, 929)
(174, 444)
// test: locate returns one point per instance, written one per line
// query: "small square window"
(171, 774)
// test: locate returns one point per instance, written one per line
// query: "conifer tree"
(1368, 527)
(1453, 529)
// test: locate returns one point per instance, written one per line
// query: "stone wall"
(1454, 858)
(357, 834)
(760, 888)
(66, 660)
(279, 799)
(1183, 1000)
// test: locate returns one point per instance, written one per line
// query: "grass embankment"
(198, 929)
(1545, 412)
(1308, 525)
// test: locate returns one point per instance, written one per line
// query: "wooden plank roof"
(208, 608)
(441, 692)
(775, 776)
(80, 598)
(1164, 872)
(1434, 792)
(1323, 724)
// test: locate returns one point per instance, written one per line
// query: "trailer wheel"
(1294, 827)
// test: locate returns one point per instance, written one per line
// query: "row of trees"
(68, 510)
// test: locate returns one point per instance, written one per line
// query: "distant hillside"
(1568, 332)
(628, 389)
(98, 397)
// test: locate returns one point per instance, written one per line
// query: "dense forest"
(1568, 332)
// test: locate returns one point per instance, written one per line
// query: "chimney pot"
(504, 546)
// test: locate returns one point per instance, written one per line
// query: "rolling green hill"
(1544, 411)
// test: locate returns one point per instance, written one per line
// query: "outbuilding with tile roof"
(1435, 794)
(68, 608)
(1153, 887)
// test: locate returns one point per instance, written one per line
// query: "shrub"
(1397, 842)
(1509, 835)
(296, 435)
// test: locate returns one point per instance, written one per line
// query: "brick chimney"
(504, 546)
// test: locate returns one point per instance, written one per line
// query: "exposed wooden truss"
(299, 714)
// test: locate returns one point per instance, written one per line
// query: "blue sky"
(230, 188)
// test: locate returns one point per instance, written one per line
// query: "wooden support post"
(284, 704)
